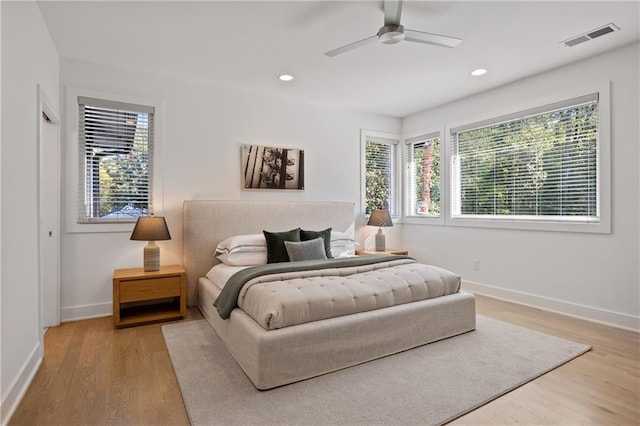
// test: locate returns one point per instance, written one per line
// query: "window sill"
(86, 228)
(601, 227)
(424, 220)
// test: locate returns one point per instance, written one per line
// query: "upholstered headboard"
(207, 222)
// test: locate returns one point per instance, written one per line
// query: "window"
(116, 153)
(537, 165)
(422, 161)
(380, 172)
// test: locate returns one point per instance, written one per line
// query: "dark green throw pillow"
(326, 235)
(276, 251)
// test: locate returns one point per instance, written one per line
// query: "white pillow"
(244, 258)
(243, 243)
(343, 251)
(342, 245)
(341, 239)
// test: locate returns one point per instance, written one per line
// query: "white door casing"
(49, 214)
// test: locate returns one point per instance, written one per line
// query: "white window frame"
(407, 217)
(604, 164)
(73, 161)
(396, 192)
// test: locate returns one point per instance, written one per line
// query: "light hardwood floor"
(93, 374)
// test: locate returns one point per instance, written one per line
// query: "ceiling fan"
(393, 32)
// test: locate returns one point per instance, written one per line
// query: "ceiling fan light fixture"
(391, 34)
(478, 72)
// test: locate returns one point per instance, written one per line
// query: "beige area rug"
(429, 385)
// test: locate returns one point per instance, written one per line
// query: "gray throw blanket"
(227, 301)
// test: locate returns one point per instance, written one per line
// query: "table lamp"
(151, 228)
(380, 218)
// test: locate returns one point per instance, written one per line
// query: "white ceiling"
(248, 44)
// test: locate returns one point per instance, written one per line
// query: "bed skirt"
(278, 357)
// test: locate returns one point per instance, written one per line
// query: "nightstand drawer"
(149, 289)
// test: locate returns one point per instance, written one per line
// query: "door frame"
(45, 106)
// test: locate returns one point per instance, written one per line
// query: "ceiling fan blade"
(351, 46)
(429, 38)
(392, 12)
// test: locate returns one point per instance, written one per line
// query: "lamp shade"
(150, 228)
(380, 218)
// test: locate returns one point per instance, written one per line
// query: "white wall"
(591, 275)
(29, 58)
(203, 127)
(1, 388)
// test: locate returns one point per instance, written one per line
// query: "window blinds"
(381, 180)
(422, 159)
(116, 152)
(535, 165)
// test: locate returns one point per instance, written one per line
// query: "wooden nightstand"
(387, 251)
(141, 297)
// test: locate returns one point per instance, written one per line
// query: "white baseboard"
(17, 390)
(81, 312)
(589, 313)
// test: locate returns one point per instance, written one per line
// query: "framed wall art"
(268, 167)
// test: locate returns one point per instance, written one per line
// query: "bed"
(276, 357)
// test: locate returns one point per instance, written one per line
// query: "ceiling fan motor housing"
(391, 34)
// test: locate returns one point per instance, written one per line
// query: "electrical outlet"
(476, 264)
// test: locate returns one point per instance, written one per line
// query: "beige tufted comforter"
(285, 299)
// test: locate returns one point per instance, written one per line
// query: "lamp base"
(151, 257)
(380, 240)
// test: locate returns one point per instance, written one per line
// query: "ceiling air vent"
(598, 32)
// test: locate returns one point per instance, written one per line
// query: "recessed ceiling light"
(285, 77)
(478, 72)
